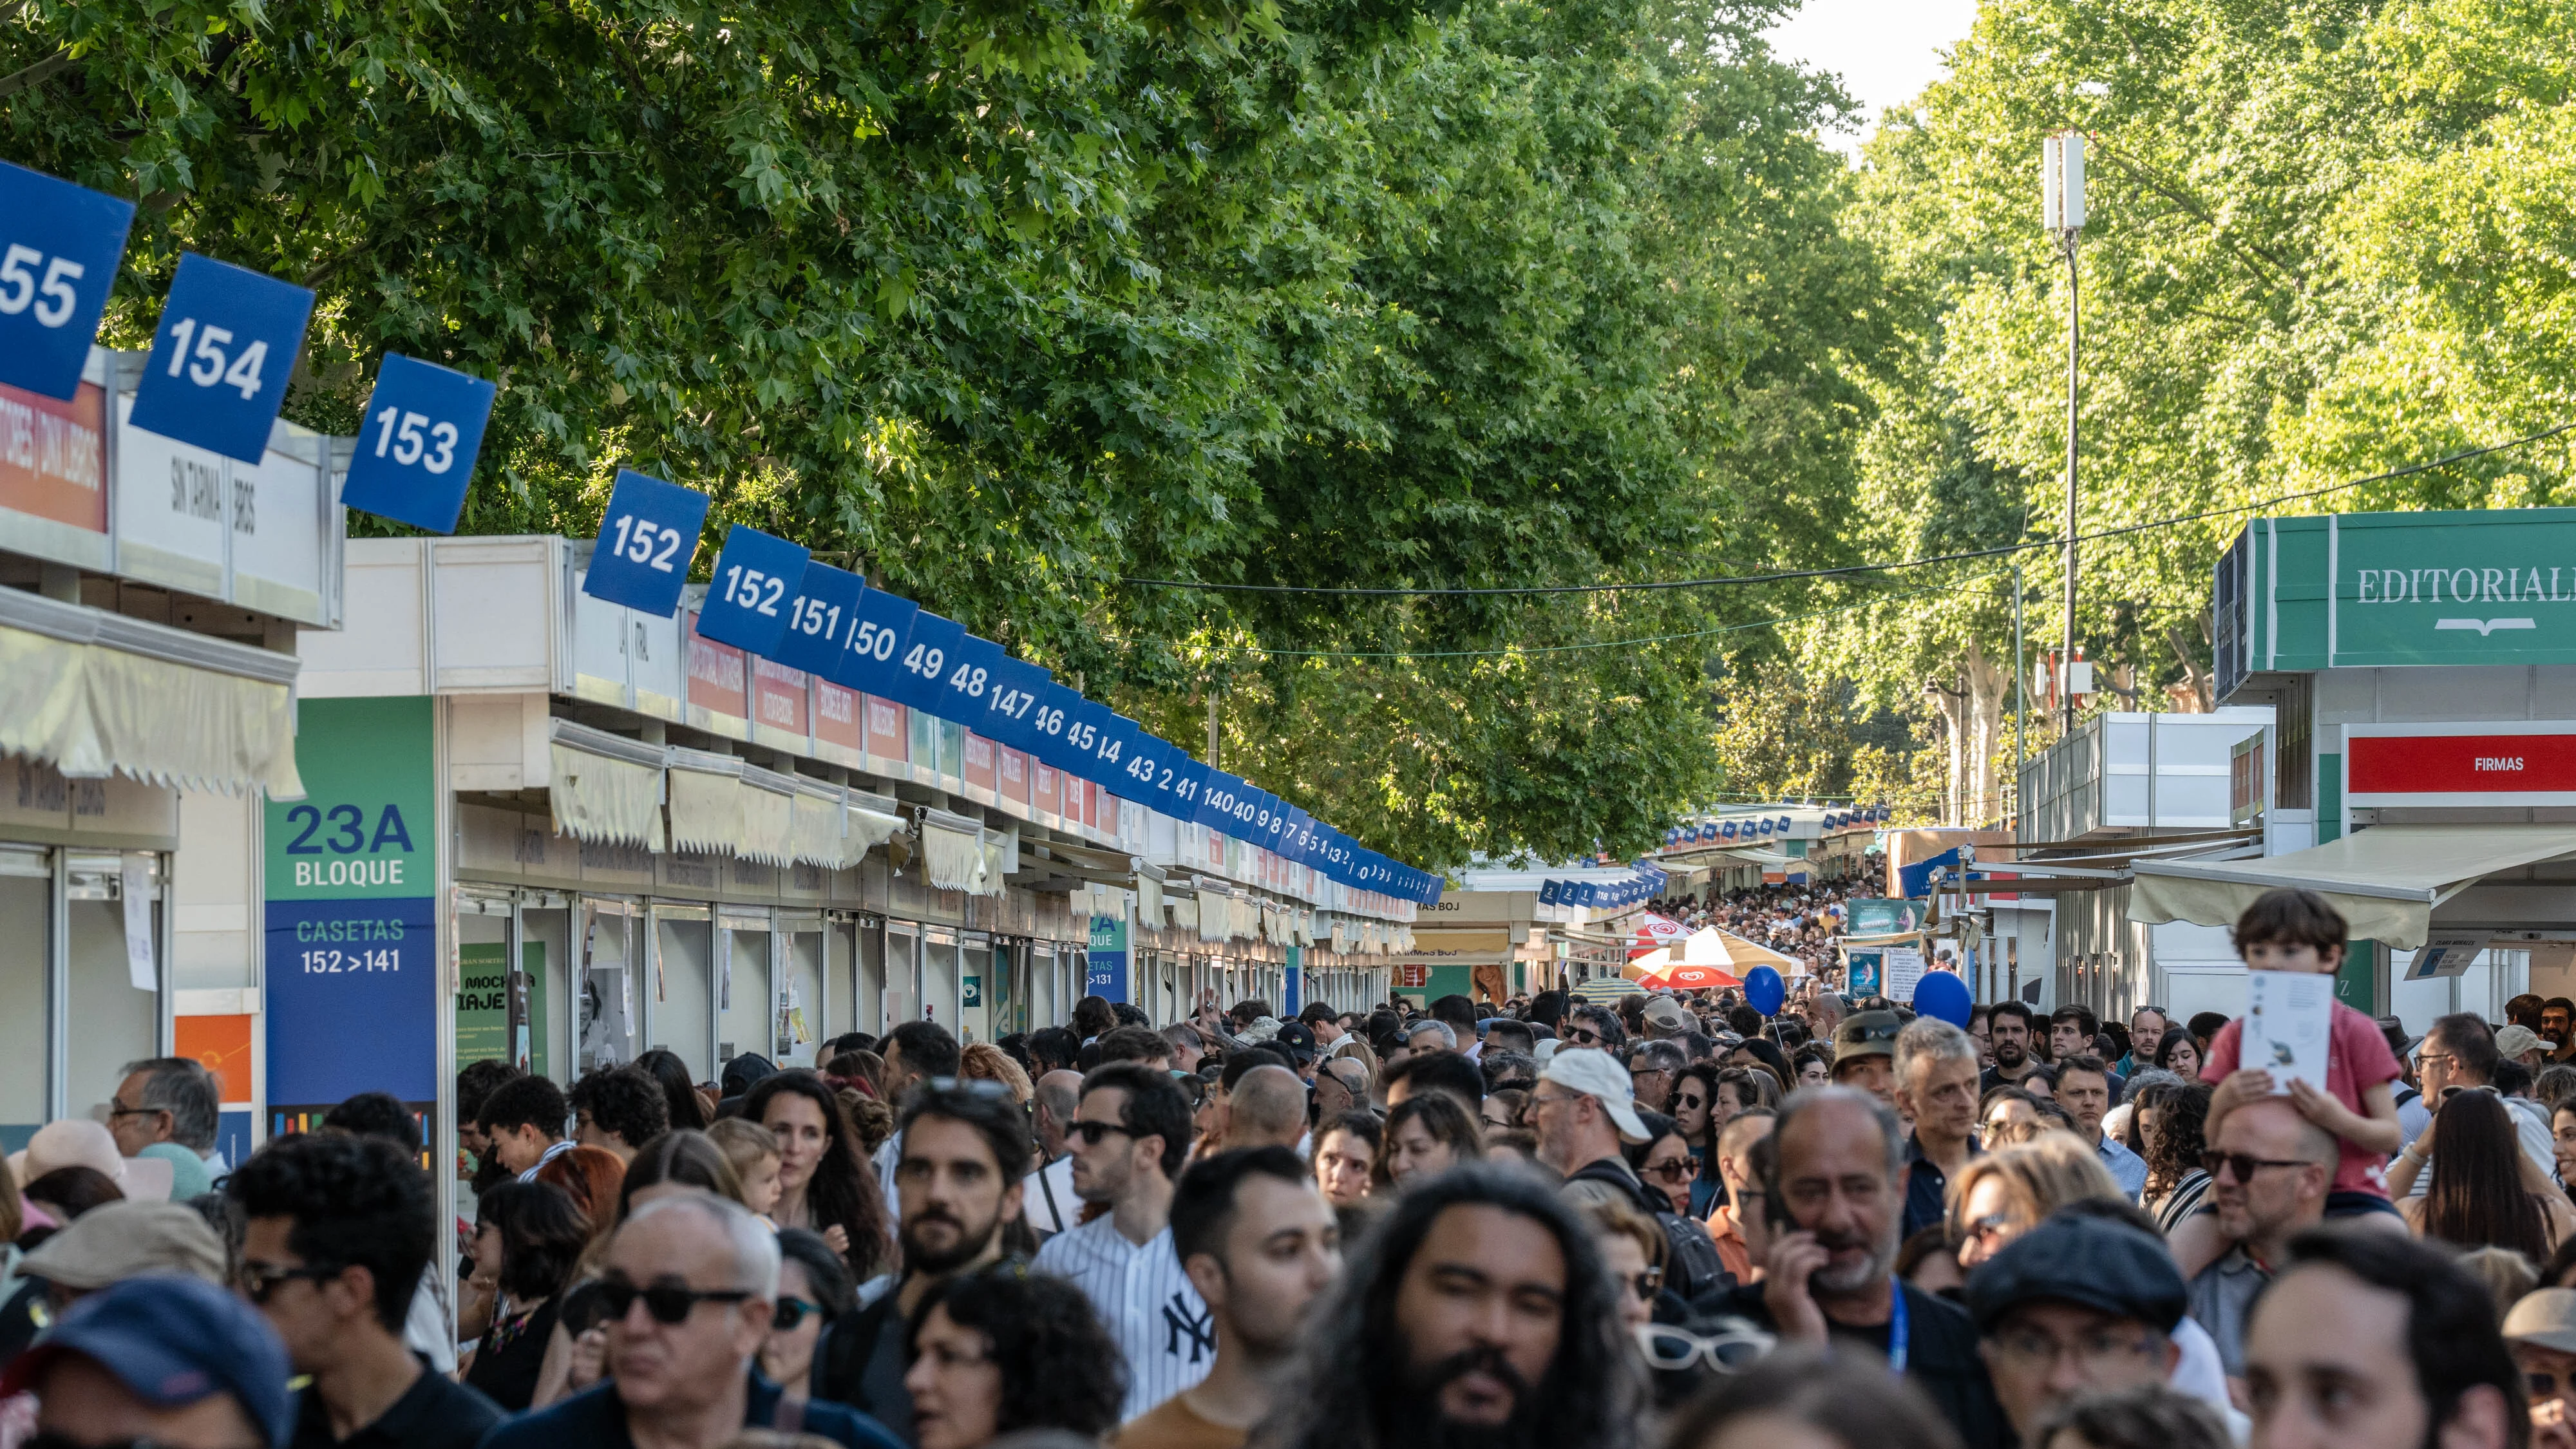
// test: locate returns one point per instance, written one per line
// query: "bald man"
(1266, 1109)
(1046, 1195)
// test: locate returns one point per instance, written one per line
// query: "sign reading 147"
(221, 357)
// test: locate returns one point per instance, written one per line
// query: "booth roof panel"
(2386, 880)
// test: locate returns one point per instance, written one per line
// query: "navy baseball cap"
(2087, 1261)
(172, 1340)
(1298, 1038)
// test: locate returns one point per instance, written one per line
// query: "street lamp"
(2061, 185)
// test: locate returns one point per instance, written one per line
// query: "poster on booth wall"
(1105, 974)
(1862, 973)
(483, 1002)
(1904, 970)
(349, 911)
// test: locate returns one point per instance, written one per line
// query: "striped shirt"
(1144, 1300)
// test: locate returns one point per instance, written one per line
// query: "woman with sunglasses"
(1663, 1163)
(813, 1289)
(1701, 1110)
(527, 1236)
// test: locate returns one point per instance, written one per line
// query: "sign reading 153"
(426, 424)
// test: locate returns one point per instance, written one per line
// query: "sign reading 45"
(220, 360)
(416, 449)
(646, 539)
(59, 249)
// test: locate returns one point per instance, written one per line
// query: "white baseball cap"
(1598, 1075)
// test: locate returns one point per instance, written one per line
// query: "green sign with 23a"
(368, 829)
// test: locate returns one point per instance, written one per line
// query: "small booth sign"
(2515, 763)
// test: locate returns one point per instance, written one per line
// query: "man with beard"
(2008, 1027)
(960, 1179)
(1130, 1136)
(1259, 1242)
(1478, 1313)
(1834, 1187)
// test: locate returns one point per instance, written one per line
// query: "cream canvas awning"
(2386, 880)
(603, 787)
(94, 694)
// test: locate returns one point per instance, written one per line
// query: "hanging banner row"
(216, 376)
(770, 598)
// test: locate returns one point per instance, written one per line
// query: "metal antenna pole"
(2021, 696)
(2074, 387)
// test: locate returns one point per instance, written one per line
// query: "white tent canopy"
(2386, 880)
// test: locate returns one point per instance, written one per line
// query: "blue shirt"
(2127, 1167)
(596, 1419)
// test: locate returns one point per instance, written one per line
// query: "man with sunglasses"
(1595, 1027)
(960, 1181)
(337, 1232)
(1130, 1136)
(2540, 1332)
(2270, 1170)
(690, 1286)
(1341, 1085)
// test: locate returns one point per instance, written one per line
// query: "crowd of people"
(1537, 1224)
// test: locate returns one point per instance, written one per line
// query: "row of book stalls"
(336, 815)
(2395, 729)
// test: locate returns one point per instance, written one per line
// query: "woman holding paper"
(2298, 933)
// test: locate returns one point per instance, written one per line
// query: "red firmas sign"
(2459, 765)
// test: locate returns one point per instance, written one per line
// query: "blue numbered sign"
(219, 364)
(1087, 727)
(755, 584)
(818, 620)
(929, 652)
(1051, 723)
(646, 540)
(964, 694)
(1011, 705)
(59, 248)
(416, 449)
(872, 645)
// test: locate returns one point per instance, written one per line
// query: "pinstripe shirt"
(1144, 1300)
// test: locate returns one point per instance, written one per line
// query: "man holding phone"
(1834, 1198)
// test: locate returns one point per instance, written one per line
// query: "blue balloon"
(1941, 994)
(1764, 990)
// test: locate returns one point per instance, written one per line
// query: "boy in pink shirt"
(2295, 930)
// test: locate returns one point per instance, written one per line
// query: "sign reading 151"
(342, 830)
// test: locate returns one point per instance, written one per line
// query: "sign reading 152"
(645, 542)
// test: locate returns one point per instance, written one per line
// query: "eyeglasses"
(2098, 1351)
(668, 1302)
(1676, 1172)
(1092, 1132)
(1646, 1283)
(1585, 1036)
(2543, 1385)
(116, 1109)
(791, 1314)
(2244, 1165)
(258, 1280)
(1735, 1344)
